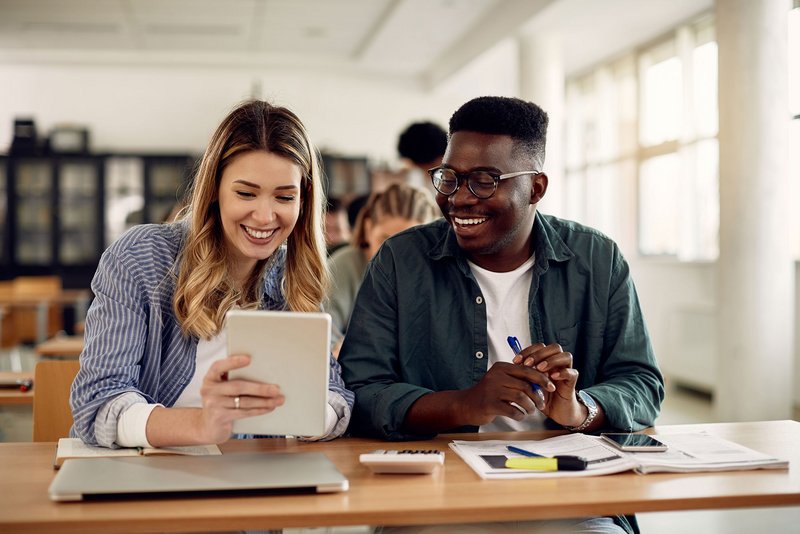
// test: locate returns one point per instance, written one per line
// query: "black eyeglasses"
(482, 184)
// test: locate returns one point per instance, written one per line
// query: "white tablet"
(290, 349)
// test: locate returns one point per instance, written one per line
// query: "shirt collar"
(547, 244)
(273, 278)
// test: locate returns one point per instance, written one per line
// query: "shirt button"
(479, 355)
(479, 299)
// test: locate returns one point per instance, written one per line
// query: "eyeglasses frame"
(463, 177)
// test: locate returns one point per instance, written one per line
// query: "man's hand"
(561, 404)
(501, 388)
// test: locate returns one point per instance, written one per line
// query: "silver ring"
(236, 403)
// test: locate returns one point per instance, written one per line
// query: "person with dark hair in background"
(398, 207)
(354, 208)
(426, 347)
(421, 145)
(337, 227)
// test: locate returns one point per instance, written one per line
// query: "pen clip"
(513, 342)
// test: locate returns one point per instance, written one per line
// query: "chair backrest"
(37, 286)
(7, 337)
(52, 417)
(25, 320)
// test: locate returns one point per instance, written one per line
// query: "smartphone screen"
(634, 442)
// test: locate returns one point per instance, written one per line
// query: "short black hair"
(498, 115)
(354, 207)
(422, 142)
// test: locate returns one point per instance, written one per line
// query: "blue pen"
(523, 452)
(513, 342)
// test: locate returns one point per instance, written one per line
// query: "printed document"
(686, 453)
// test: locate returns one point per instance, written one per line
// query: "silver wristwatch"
(585, 399)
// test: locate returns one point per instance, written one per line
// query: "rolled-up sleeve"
(116, 326)
(630, 386)
(340, 399)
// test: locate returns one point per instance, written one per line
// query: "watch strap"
(590, 417)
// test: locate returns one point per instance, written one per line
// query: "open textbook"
(76, 448)
(686, 453)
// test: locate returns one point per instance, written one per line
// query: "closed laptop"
(242, 473)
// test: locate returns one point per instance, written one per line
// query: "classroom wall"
(169, 108)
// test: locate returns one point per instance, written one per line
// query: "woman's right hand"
(219, 395)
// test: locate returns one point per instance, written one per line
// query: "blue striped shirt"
(133, 341)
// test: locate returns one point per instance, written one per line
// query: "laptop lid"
(87, 478)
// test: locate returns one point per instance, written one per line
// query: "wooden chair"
(25, 319)
(52, 417)
(7, 337)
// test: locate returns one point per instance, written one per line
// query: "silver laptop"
(244, 473)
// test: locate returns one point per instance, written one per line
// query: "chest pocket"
(585, 341)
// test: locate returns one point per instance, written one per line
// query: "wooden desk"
(10, 396)
(453, 495)
(61, 346)
(77, 298)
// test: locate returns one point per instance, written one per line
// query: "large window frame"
(641, 146)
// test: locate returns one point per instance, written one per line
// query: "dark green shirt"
(419, 325)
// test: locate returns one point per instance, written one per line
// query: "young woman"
(396, 208)
(154, 367)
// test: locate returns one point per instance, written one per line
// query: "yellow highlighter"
(557, 463)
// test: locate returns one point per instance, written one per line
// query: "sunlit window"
(679, 155)
(601, 110)
(662, 100)
(641, 147)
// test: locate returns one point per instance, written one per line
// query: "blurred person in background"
(398, 207)
(337, 226)
(421, 146)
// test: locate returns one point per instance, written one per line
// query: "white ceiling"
(427, 39)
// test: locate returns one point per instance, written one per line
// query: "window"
(641, 147)
(678, 154)
(600, 148)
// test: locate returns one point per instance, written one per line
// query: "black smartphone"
(634, 442)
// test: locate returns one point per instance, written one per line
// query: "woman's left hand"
(225, 401)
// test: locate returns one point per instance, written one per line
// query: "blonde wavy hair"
(398, 200)
(204, 292)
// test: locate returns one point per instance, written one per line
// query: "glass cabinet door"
(33, 200)
(78, 209)
(124, 195)
(166, 184)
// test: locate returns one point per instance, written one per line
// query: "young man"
(426, 350)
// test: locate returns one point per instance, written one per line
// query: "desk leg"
(81, 307)
(41, 322)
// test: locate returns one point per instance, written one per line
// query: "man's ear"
(538, 187)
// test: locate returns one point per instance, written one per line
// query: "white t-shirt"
(506, 299)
